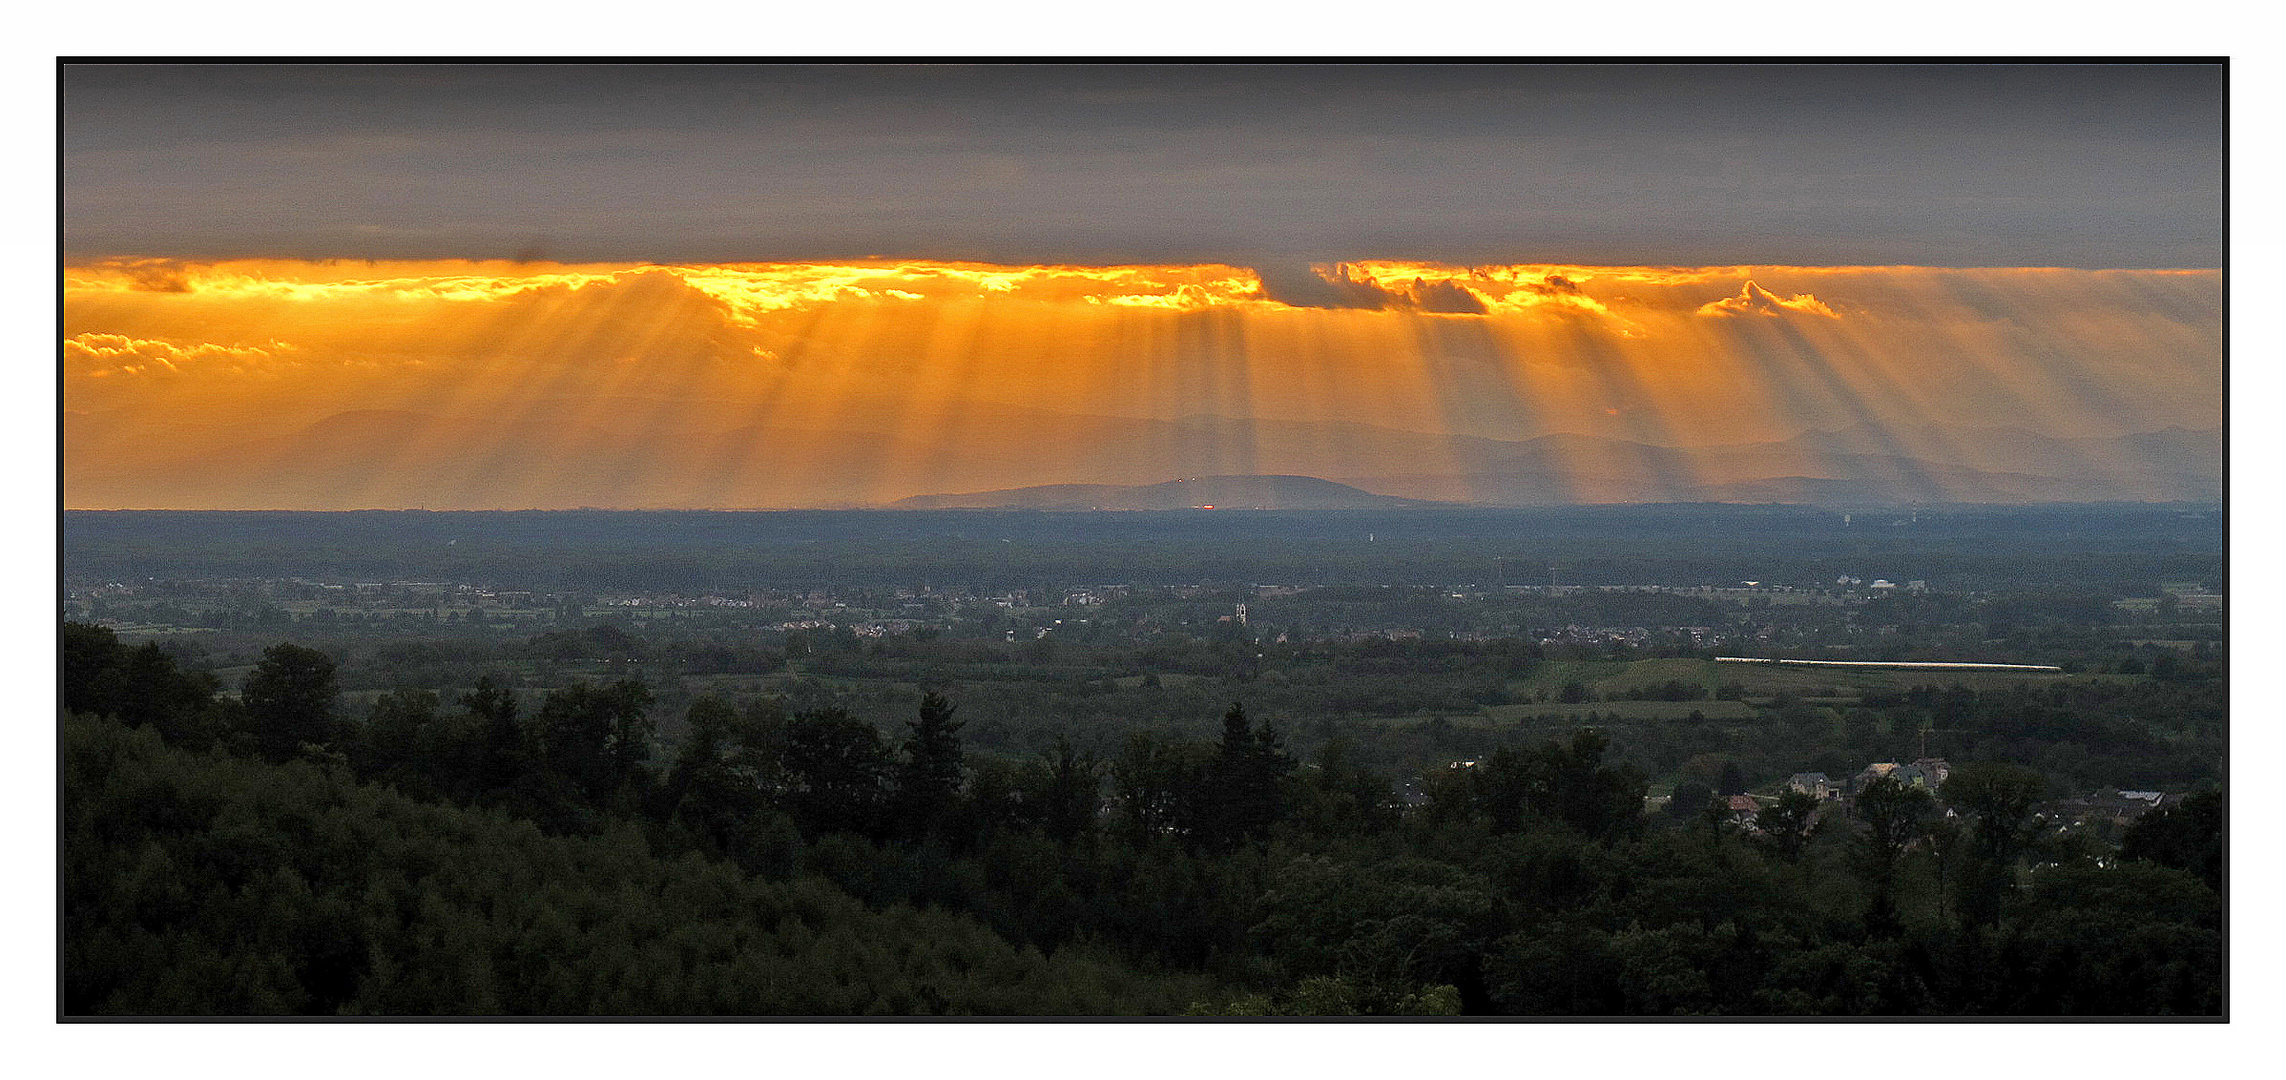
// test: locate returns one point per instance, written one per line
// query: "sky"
(1936, 165)
(334, 287)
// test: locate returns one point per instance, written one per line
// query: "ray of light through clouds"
(333, 286)
(334, 384)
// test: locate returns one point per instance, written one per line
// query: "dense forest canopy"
(283, 850)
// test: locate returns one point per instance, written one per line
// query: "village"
(2104, 813)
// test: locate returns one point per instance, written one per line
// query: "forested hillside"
(215, 885)
(276, 853)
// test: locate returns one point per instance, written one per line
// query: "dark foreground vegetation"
(492, 850)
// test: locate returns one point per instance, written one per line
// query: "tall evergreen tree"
(929, 775)
(1243, 797)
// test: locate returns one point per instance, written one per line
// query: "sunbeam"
(330, 385)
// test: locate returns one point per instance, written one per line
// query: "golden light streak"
(274, 383)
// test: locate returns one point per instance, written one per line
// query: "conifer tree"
(1243, 799)
(929, 776)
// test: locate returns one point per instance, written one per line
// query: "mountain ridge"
(1255, 492)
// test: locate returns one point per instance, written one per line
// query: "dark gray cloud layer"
(2077, 165)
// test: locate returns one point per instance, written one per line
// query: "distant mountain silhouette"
(548, 457)
(1216, 492)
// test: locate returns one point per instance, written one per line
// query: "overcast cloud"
(2091, 166)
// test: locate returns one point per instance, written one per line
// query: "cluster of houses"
(2109, 808)
(1926, 773)
(2106, 807)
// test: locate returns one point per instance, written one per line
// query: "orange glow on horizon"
(341, 384)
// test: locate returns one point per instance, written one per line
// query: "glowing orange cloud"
(275, 383)
(1753, 299)
(103, 355)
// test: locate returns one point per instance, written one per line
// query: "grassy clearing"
(1552, 676)
(1651, 672)
(1625, 710)
(136, 633)
(1462, 721)
(1130, 682)
(1769, 679)
(1839, 687)
(735, 682)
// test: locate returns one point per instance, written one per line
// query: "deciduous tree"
(289, 700)
(1786, 824)
(835, 772)
(1892, 814)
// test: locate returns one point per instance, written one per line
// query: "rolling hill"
(1198, 492)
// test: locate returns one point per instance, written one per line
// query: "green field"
(1835, 685)
(1463, 721)
(1626, 710)
(1130, 682)
(1767, 679)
